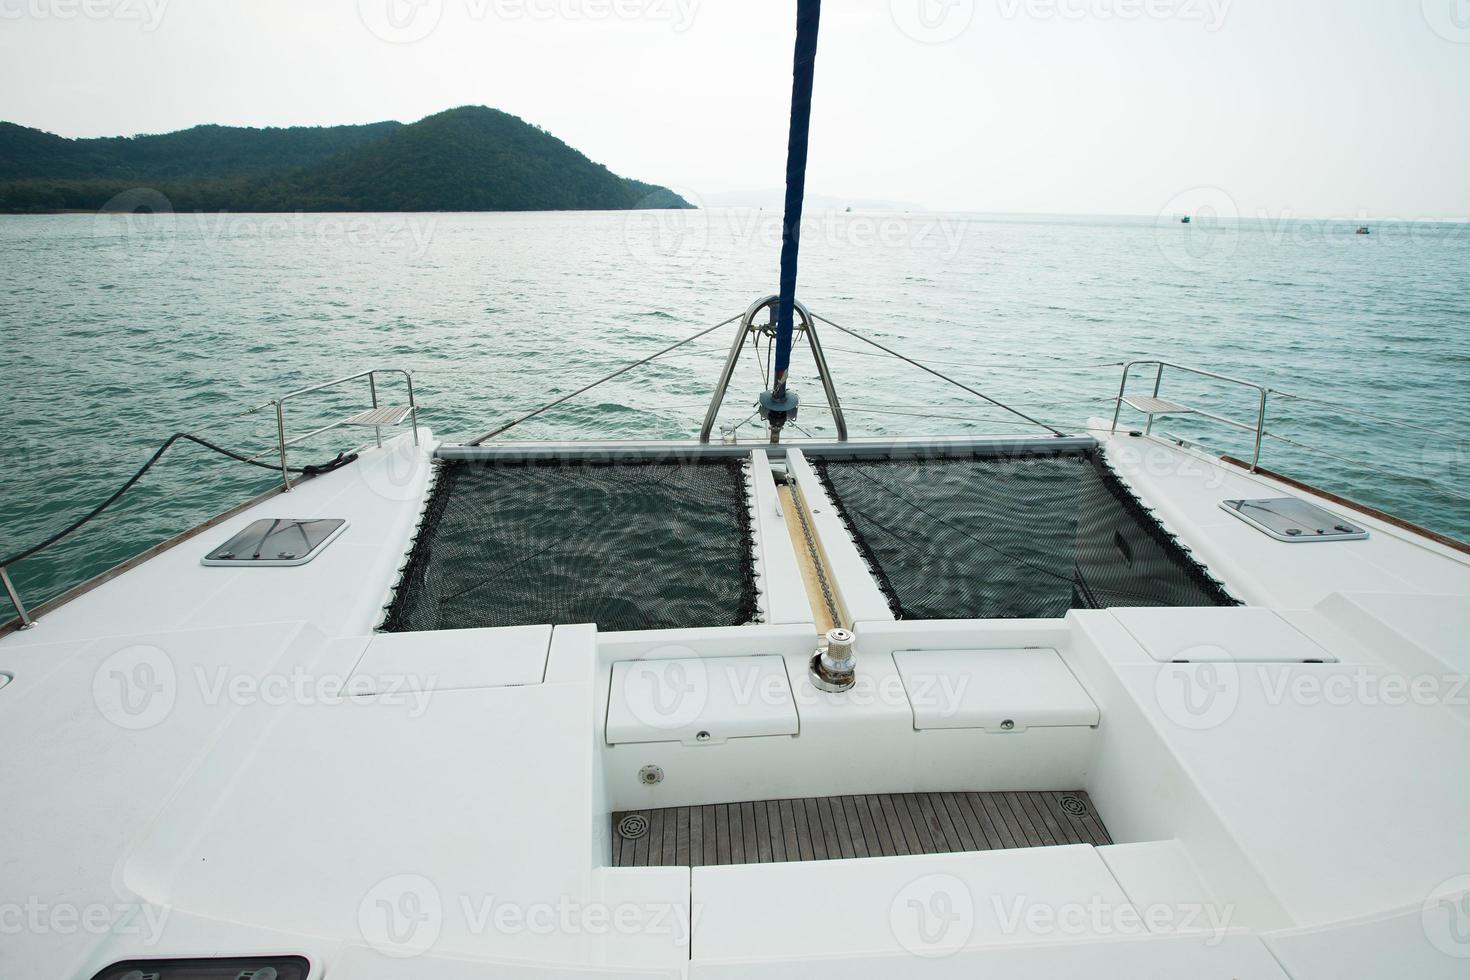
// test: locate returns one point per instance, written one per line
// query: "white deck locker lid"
(699, 701)
(994, 690)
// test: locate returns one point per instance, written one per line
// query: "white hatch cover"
(276, 542)
(1292, 520)
(994, 690)
(699, 701)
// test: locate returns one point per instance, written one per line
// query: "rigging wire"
(1358, 463)
(586, 388)
(748, 419)
(943, 377)
(1337, 407)
(755, 350)
(929, 415)
(985, 367)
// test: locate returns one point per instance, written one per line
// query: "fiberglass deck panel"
(628, 546)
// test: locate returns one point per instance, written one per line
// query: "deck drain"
(1074, 806)
(633, 826)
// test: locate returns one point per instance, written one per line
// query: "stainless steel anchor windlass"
(834, 670)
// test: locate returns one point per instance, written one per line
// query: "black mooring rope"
(341, 460)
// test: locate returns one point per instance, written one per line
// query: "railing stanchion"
(1260, 432)
(26, 622)
(281, 437)
(1122, 390)
(373, 387)
(413, 408)
(1148, 429)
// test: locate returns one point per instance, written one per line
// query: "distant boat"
(1187, 219)
(849, 209)
(1364, 230)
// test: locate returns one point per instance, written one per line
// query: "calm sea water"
(120, 330)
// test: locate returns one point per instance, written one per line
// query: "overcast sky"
(1319, 108)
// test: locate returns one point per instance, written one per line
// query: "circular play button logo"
(401, 21)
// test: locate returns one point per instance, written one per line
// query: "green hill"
(466, 159)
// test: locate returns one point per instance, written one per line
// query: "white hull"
(230, 762)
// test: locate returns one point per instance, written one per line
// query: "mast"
(778, 404)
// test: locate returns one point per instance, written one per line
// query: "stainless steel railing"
(279, 404)
(24, 617)
(1262, 392)
(1261, 432)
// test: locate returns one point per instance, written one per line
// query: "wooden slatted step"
(374, 417)
(1156, 406)
(837, 827)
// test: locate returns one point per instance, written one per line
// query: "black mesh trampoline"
(1012, 537)
(625, 545)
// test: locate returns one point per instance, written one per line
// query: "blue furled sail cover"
(808, 16)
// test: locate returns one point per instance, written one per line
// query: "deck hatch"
(260, 968)
(276, 542)
(1024, 536)
(837, 827)
(627, 545)
(1293, 520)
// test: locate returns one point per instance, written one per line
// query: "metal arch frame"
(808, 327)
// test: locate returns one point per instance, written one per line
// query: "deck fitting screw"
(650, 775)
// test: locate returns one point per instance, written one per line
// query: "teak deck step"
(1149, 405)
(375, 417)
(838, 827)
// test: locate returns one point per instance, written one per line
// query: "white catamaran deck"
(231, 762)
